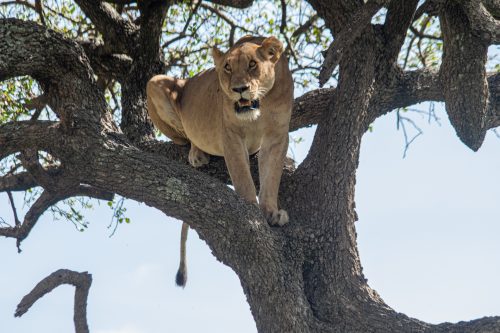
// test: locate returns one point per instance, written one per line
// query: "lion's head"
(246, 72)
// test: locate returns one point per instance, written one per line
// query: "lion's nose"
(239, 90)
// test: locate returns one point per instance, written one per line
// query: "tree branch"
(233, 3)
(147, 61)
(47, 199)
(59, 64)
(17, 136)
(336, 13)
(118, 33)
(17, 182)
(23, 181)
(429, 7)
(309, 108)
(493, 6)
(346, 37)
(412, 87)
(105, 63)
(20, 232)
(52, 183)
(217, 213)
(14, 210)
(493, 113)
(81, 281)
(481, 21)
(398, 20)
(463, 75)
(305, 27)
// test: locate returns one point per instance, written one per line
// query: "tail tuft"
(181, 277)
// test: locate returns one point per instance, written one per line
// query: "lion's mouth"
(245, 105)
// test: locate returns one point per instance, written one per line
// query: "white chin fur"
(248, 115)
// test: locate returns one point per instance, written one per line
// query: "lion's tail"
(181, 277)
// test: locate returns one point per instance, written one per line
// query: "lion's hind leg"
(163, 107)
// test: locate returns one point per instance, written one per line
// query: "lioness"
(241, 106)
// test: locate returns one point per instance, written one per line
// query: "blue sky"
(427, 233)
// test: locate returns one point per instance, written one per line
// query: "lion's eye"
(252, 64)
(227, 68)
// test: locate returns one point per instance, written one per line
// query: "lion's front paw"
(197, 157)
(277, 217)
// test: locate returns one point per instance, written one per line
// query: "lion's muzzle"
(245, 105)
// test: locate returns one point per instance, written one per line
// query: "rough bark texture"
(306, 276)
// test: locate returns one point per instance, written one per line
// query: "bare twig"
(81, 281)
(224, 17)
(283, 17)
(401, 124)
(408, 51)
(305, 27)
(420, 34)
(14, 210)
(183, 34)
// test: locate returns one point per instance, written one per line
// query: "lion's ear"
(271, 49)
(218, 56)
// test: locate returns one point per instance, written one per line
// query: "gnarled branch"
(81, 281)
(463, 75)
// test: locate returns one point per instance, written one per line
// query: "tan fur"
(201, 110)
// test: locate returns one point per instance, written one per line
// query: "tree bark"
(303, 277)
